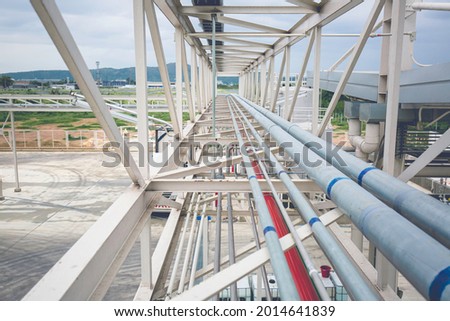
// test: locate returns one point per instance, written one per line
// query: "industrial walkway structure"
(237, 158)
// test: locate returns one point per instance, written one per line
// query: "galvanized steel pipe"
(424, 211)
(420, 258)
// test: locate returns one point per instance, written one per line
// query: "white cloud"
(103, 30)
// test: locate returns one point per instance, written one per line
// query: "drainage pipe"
(363, 145)
(288, 292)
(420, 258)
(427, 213)
(358, 287)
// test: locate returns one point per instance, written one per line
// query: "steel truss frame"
(87, 270)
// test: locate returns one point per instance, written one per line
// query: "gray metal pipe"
(288, 292)
(231, 251)
(218, 242)
(420, 258)
(180, 248)
(358, 287)
(258, 247)
(424, 211)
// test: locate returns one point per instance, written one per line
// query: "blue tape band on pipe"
(253, 176)
(332, 183)
(440, 282)
(364, 172)
(313, 220)
(269, 229)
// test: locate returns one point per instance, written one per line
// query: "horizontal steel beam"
(225, 185)
(84, 272)
(187, 10)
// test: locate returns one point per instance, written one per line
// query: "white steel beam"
(431, 6)
(187, 171)
(316, 86)
(224, 185)
(306, 4)
(60, 34)
(263, 80)
(195, 79)
(278, 85)
(187, 10)
(393, 85)
(179, 75)
(187, 82)
(141, 82)
(160, 57)
(287, 82)
(88, 268)
(246, 34)
(241, 23)
(221, 280)
(375, 12)
(301, 74)
(161, 256)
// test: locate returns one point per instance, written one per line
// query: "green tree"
(6, 81)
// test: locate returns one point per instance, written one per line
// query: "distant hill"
(106, 74)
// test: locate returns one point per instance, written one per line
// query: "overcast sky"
(103, 30)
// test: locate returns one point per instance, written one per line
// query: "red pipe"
(303, 283)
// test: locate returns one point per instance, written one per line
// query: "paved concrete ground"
(62, 195)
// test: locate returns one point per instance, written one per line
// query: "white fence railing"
(58, 139)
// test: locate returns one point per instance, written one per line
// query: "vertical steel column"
(278, 85)
(393, 85)
(160, 57)
(257, 84)
(218, 236)
(187, 82)
(263, 81)
(269, 84)
(201, 80)
(214, 17)
(143, 137)
(287, 82)
(301, 74)
(241, 84)
(316, 86)
(231, 250)
(141, 83)
(195, 80)
(179, 75)
(14, 150)
(387, 274)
